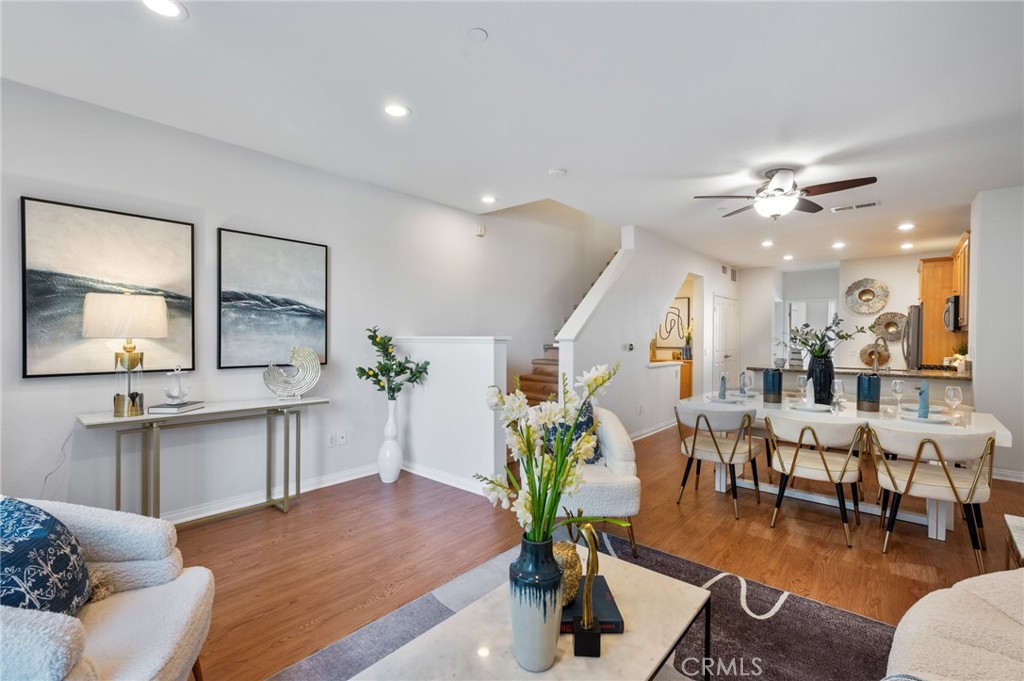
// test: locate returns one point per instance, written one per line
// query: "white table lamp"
(127, 316)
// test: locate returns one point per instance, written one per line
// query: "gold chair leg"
(775, 513)
(981, 537)
(197, 671)
(632, 539)
(736, 509)
(981, 562)
(849, 539)
(885, 544)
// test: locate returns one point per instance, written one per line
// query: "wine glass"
(954, 398)
(897, 390)
(837, 395)
(746, 384)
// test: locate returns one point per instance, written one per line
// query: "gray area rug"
(757, 631)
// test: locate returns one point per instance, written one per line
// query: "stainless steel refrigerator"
(912, 338)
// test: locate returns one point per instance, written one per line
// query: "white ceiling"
(645, 104)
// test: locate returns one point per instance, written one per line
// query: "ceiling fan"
(780, 195)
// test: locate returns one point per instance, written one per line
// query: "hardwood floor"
(289, 585)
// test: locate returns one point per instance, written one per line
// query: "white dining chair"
(954, 466)
(719, 436)
(801, 450)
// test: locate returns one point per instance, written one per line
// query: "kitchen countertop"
(886, 373)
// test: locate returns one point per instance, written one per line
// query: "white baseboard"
(457, 481)
(205, 510)
(656, 428)
(1007, 474)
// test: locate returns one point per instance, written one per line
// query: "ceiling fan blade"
(749, 198)
(738, 210)
(807, 206)
(829, 187)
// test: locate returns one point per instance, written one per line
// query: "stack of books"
(176, 408)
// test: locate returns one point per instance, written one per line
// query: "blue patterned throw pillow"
(585, 423)
(43, 567)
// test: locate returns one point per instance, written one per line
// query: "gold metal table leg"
(117, 471)
(156, 470)
(145, 472)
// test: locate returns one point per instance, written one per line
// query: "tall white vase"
(389, 458)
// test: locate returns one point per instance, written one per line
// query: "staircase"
(542, 382)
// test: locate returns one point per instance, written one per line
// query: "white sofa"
(609, 487)
(972, 631)
(148, 617)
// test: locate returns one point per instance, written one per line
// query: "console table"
(150, 426)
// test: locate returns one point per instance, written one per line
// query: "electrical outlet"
(639, 410)
(343, 438)
(332, 440)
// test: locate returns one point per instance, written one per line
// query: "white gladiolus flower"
(522, 506)
(584, 447)
(494, 398)
(593, 381)
(546, 414)
(515, 443)
(496, 493)
(514, 407)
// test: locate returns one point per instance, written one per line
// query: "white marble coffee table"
(1014, 540)
(476, 642)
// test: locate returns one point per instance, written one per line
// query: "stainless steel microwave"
(951, 315)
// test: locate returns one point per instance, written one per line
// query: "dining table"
(939, 516)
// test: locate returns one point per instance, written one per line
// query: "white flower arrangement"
(544, 441)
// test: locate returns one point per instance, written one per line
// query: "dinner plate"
(811, 407)
(931, 408)
(736, 393)
(931, 418)
(726, 400)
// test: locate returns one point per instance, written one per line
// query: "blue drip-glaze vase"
(822, 372)
(535, 603)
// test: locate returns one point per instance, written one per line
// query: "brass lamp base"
(128, 369)
(129, 405)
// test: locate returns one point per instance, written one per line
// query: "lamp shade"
(774, 206)
(119, 315)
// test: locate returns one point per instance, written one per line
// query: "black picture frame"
(670, 330)
(68, 250)
(272, 295)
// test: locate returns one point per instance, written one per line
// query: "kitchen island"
(937, 380)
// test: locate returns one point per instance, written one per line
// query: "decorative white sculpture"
(304, 373)
(177, 393)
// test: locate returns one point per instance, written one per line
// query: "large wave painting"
(254, 325)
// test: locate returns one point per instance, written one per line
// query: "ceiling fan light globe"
(775, 206)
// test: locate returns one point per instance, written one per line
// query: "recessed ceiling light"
(172, 9)
(488, 199)
(906, 227)
(767, 243)
(398, 110)
(906, 247)
(787, 257)
(839, 244)
(557, 172)
(477, 35)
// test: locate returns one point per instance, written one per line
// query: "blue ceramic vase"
(822, 372)
(535, 603)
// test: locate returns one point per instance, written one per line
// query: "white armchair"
(610, 486)
(148, 618)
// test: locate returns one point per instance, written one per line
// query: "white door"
(726, 341)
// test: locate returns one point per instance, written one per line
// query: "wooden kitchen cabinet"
(936, 284)
(962, 276)
(686, 379)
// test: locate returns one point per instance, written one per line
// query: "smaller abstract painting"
(670, 330)
(273, 295)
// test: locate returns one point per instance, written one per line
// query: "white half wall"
(446, 430)
(411, 266)
(997, 316)
(628, 311)
(759, 288)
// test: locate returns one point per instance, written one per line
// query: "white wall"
(629, 312)
(810, 284)
(411, 266)
(758, 290)
(899, 273)
(997, 316)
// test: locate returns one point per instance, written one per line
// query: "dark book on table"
(605, 610)
(176, 408)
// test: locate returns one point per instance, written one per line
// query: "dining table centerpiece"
(388, 375)
(548, 443)
(820, 344)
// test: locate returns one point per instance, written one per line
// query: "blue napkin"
(743, 388)
(922, 401)
(721, 387)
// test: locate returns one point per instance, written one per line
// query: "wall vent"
(854, 206)
(732, 273)
(725, 269)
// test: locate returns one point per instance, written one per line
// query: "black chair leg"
(696, 480)
(885, 505)
(892, 520)
(686, 474)
(856, 501)
(757, 485)
(981, 526)
(783, 481)
(842, 513)
(975, 542)
(735, 501)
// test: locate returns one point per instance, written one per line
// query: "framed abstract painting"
(670, 330)
(273, 295)
(69, 251)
